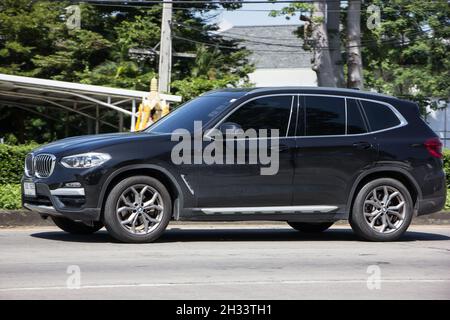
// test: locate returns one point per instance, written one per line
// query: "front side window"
(379, 115)
(324, 116)
(264, 113)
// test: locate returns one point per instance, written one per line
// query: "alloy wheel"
(384, 209)
(140, 209)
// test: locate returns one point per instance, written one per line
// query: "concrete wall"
(283, 77)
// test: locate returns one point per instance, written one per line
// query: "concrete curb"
(16, 218)
(21, 218)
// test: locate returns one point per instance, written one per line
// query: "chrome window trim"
(346, 117)
(290, 116)
(400, 117)
(298, 113)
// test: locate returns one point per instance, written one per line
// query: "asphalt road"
(225, 261)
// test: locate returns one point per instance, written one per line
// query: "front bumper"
(60, 202)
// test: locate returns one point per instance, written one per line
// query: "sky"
(242, 17)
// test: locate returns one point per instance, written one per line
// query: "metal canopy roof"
(28, 93)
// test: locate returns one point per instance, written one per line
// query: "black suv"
(342, 155)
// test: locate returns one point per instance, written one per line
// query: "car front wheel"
(382, 211)
(138, 209)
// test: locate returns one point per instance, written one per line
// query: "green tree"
(407, 54)
(35, 41)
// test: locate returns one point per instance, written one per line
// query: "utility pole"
(165, 57)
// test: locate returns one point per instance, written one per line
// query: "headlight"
(85, 160)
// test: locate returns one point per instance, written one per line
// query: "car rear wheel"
(75, 227)
(138, 209)
(382, 211)
(315, 227)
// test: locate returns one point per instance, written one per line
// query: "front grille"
(43, 165)
(29, 165)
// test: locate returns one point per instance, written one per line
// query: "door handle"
(362, 145)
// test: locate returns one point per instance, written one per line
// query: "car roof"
(238, 92)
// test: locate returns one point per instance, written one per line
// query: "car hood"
(92, 142)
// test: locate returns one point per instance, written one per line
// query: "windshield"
(200, 109)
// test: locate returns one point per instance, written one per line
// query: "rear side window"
(324, 116)
(355, 120)
(379, 115)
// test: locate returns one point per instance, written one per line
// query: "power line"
(230, 35)
(119, 5)
(145, 4)
(242, 39)
(216, 45)
(292, 10)
(364, 43)
(212, 2)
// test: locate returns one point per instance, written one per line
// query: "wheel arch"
(157, 172)
(399, 174)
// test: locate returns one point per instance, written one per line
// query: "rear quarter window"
(379, 115)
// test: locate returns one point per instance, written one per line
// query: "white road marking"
(224, 283)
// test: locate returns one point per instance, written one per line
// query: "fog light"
(73, 185)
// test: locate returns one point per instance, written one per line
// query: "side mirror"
(230, 129)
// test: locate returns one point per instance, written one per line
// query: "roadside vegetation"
(12, 159)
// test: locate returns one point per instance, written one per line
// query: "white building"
(276, 54)
(439, 121)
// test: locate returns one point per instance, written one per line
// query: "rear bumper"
(433, 192)
(430, 205)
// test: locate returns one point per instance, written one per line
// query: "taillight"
(434, 147)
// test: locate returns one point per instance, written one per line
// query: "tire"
(75, 227)
(129, 216)
(388, 226)
(314, 227)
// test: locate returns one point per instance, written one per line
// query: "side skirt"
(283, 213)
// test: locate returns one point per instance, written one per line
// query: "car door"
(235, 184)
(332, 148)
